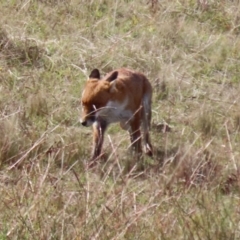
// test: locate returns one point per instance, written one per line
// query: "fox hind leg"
(146, 124)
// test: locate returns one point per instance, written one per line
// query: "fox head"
(95, 96)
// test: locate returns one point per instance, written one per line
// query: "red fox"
(121, 96)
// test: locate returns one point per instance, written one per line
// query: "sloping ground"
(190, 53)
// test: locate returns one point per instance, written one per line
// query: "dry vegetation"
(190, 50)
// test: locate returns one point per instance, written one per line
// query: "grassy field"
(190, 51)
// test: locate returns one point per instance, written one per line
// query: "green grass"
(190, 53)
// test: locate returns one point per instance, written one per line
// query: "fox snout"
(84, 123)
(87, 122)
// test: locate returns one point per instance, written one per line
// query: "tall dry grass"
(190, 52)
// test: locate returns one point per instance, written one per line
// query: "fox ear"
(112, 77)
(112, 80)
(95, 74)
(113, 87)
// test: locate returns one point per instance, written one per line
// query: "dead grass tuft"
(190, 52)
(195, 168)
(207, 123)
(24, 52)
(10, 143)
(231, 183)
(237, 122)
